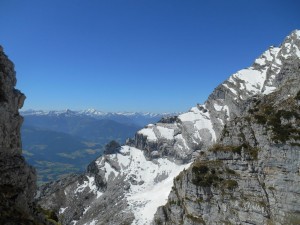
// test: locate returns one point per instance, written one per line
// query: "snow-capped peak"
(93, 112)
(90, 112)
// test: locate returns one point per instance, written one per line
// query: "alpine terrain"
(58, 143)
(233, 160)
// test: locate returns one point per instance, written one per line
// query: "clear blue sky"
(136, 55)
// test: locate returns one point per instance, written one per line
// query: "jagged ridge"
(251, 176)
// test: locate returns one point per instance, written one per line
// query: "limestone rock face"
(17, 178)
(252, 175)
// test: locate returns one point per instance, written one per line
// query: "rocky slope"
(252, 175)
(17, 178)
(202, 125)
(127, 185)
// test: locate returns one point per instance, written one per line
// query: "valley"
(59, 143)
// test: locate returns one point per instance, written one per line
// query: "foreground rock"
(252, 175)
(17, 178)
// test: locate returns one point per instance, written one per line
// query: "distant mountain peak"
(89, 112)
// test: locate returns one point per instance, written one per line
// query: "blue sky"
(135, 55)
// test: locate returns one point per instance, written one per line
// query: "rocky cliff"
(201, 126)
(252, 174)
(17, 178)
(128, 185)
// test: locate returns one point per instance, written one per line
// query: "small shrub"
(204, 176)
(158, 221)
(298, 96)
(230, 171)
(271, 188)
(50, 215)
(295, 144)
(287, 114)
(222, 148)
(197, 220)
(262, 204)
(230, 184)
(253, 152)
(203, 169)
(261, 119)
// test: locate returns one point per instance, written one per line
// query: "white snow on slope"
(153, 132)
(200, 119)
(90, 184)
(148, 132)
(154, 181)
(93, 222)
(231, 89)
(166, 132)
(62, 210)
(224, 108)
(269, 90)
(253, 79)
(158, 180)
(180, 137)
(268, 56)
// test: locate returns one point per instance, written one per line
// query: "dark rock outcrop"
(17, 178)
(112, 147)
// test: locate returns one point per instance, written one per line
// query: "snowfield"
(154, 180)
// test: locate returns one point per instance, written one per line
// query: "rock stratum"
(252, 174)
(17, 178)
(232, 160)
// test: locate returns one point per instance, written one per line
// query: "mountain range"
(232, 160)
(138, 118)
(58, 143)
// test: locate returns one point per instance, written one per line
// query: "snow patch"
(232, 80)
(89, 183)
(218, 107)
(81, 187)
(91, 223)
(200, 119)
(62, 210)
(157, 177)
(231, 89)
(260, 61)
(253, 79)
(180, 137)
(86, 209)
(269, 90)
(149, 133)
(108, 170)
(297, 51)
(166, 132)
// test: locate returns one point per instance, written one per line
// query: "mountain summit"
(230, 146)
